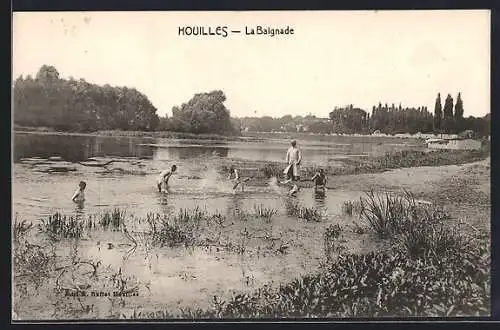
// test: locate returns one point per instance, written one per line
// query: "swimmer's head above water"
(82, 185)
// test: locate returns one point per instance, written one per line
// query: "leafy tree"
(204, 113)
(349, 120)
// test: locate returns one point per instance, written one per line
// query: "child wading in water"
(234, 176)
(319, 180)
(293, 192)
(162, 180)
(79, 195)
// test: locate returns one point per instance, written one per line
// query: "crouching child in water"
(162, 180)
(293, 192)
(319, 180)
(79, 195)
(234, 176)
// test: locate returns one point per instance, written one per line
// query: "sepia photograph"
(250, 165)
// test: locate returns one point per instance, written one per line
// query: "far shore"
(246, 136)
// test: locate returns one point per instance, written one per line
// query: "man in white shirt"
(293, 159)
(162, 180)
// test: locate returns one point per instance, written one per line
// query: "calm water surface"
(36, 193)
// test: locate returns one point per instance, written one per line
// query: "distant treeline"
(79, 106)
(384, 119)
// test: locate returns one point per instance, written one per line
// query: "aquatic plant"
(271, 170)
(307, 213)
(331, 237)
(383, 214)
(62, 226)
(264, 212)
(123, 284)
(32, 263)
(182, 228)
(388, 215)
(241, 215)
(20, 229)
(113, 219)
(165, 231)
(352, 207)
(420, 239)
(194, 215)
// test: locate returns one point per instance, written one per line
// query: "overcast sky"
(333, 58)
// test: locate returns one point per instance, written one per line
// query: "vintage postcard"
(235, 165)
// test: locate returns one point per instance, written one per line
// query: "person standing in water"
(79, 195)
(162, 180)
(293, 159)
(319, 180)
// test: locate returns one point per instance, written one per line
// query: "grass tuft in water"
(309, 214)
(351, 208)
(389, 215)
(20, 229)
(271, 170)
(331, 241)
(112, 219)
(420, 239)
(62, 226)
(182, 228)
(264, 212)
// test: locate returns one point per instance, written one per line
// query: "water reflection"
(234, 205)
(178, 153)
(78, 148)
(166, 208)
(79, 210)
(319, 197)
